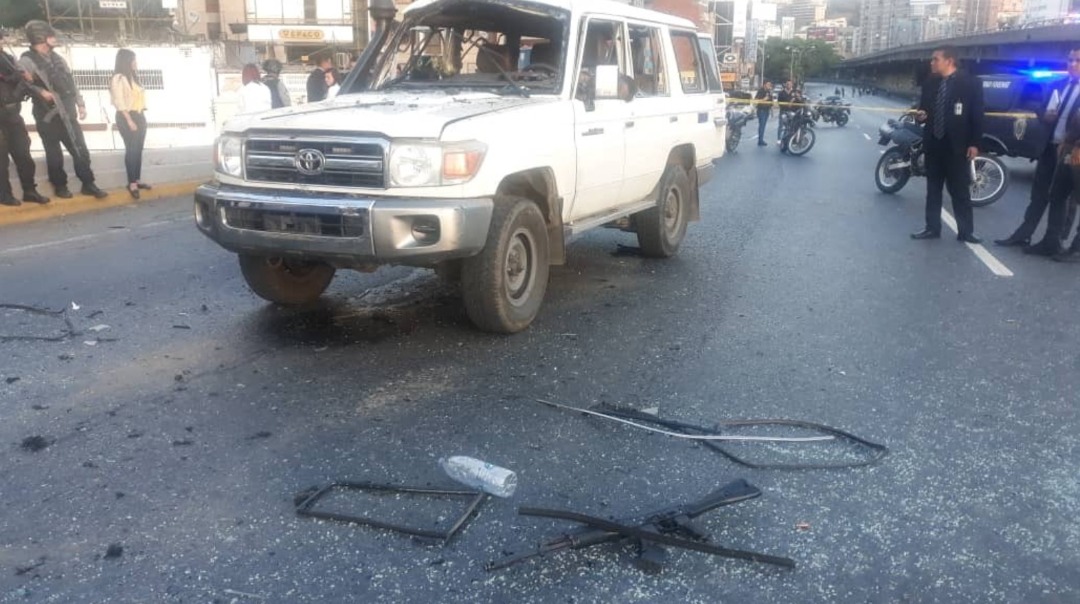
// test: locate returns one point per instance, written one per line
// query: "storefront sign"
(120, 4)
(299, 34)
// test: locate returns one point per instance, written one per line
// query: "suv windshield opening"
(507, 48)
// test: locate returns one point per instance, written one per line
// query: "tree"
(811, 58)
(15, 13)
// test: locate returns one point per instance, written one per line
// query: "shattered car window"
(481, 45)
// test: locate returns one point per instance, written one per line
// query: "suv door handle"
(673, 119)
(593, 132)
(630, 124)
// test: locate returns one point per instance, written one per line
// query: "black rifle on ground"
(649, 531)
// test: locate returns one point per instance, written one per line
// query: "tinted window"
(688, 61)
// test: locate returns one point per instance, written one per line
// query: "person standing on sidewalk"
(764, 106)
(57, 103)
(317, 88)
(951, 106)
(1067, 94)
(14, 140)
(254, 95)
(129, 98)
(279, 95)
(1062, 190)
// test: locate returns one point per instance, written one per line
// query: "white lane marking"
(981, 253)
(866, 135)
(77, 239)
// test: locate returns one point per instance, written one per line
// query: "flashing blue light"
(1043, 74)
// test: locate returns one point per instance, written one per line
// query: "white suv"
(477, 138)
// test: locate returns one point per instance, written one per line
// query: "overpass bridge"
(902, 69)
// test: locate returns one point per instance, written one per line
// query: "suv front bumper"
(346, 228)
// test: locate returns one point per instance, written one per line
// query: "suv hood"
(395, 114)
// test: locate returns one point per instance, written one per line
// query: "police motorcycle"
(906, 158)
(737, 117)
(834, 111)
(797, 134)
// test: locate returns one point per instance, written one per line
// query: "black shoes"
(93, 190)
(926, 234)
(968, 238)
(762, 144)
(144, 186)
(1013, 241)
(1071, 255)
(133, 190)
(63, 193)
(1042, 249)
(9, 200)
(34, 197)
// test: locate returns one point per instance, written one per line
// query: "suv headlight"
(229, 156)
(433, 164)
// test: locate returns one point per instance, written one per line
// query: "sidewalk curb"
(32, 212)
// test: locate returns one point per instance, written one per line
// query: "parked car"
(1022, 134)
(443, 150)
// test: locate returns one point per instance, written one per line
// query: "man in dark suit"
(952, 109)
(1066, 91)
(1062, 185)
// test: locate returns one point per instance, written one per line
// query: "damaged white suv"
(476, 137)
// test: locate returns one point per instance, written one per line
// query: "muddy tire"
(288, 282)
(504, 285)
(661, 228)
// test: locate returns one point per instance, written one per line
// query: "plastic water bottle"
(480, 475)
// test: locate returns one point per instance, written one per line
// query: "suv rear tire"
(661, 228)
(283, 281)
(504, 285)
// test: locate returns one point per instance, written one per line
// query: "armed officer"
(58, 107)
(14, 140)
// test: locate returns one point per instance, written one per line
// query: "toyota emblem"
(310, 162)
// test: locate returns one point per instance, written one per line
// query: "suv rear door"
(718, 114)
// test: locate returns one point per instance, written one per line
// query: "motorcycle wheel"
(802, 141)
(734, 136)
(842, 120)
(991, 180)
(891, 181)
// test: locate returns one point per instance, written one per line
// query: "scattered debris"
(66, 357)
(179, 377)
(22, 570)
(709, 435)
(649, 531)
(481, 475)
(12, 379)
(134, 434)
(181, 327)
(89, 464)
(90, 342)
(39, 407)
(68, 330)
(97, 328)
(119, 494)
(205, 308)
(304, 507)
(75, 306)
(186, 442)
(33, 444)
(260, 435)
(242, 594)
(322, 349)
(802, 526)
(114, 551)
(626, 250)
(96, 313)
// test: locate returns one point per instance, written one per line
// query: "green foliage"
(811, 58)
(15, 13)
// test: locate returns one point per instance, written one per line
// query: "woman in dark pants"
(129, 98)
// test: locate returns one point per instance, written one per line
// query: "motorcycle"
(905, 158)
(834, 111)
(737, 117)
(797, 134)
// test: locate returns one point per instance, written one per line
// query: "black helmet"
(37, 32)
(272, 66)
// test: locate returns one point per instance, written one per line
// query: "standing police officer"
(57, 102)
(14, 141)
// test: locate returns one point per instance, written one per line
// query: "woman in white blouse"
(254, 95)
(129, 98)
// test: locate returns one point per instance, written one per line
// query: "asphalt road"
(182, 431)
